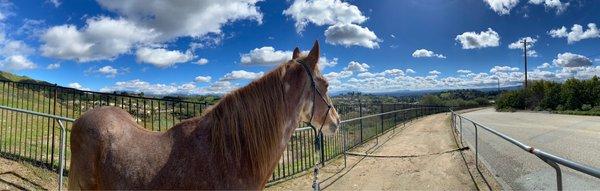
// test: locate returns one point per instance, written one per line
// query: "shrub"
(586, 107)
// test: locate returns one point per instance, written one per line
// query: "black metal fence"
(35, 139)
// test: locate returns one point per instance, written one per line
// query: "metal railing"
(63, 137)
(550, 159)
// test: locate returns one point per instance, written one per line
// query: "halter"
(318, 133)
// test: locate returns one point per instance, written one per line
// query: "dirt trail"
(23, 176)
(421, 156)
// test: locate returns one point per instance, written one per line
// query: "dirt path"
(22, 176)
(421, 156)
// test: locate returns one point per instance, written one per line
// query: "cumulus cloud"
(138, 25)
(14, 47)
(323, 12)
(16, 62)
(338, 75)
(202, 61)
(161, 57)
(530, 43)
(139, 86)
(267, 55)
(463, 71)
(426, 53)
(108, 71)
(78, 86)
(434, 73)
(351, 35)
(357, 67)
(483, 39)
(53, 66)
(502, 69)
(102, 38)
(545, 65)
(577, 33)
(241, 74)
(568, 60)
(552, 4)
(502, 7)
(202, 79)
(410, 71)
(172, 19)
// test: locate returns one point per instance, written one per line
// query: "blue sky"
(203, 47)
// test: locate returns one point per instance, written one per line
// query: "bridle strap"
(318, 133)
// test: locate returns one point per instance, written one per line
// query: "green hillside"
(7, 76)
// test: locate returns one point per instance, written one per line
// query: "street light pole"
(525, 57)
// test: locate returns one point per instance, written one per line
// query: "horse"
(236, 144)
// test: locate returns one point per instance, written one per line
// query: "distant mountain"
(405, 93)
(7, 76)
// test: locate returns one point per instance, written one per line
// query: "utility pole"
(525, 56)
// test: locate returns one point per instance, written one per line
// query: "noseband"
(318, 133)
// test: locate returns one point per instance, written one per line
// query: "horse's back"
(100, 142)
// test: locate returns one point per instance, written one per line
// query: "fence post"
(360, 112)
(476, 147)
(53, 126)
(381, 116)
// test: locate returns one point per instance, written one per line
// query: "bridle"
(318, 133)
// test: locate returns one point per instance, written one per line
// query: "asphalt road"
(576, 138)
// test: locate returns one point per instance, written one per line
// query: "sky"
(215, 46)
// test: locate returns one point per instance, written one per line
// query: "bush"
(586, 107)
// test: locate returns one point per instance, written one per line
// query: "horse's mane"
(246, 121)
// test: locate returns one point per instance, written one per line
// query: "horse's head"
(316, 106)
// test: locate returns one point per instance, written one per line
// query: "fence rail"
(550, 159)
(31, 117)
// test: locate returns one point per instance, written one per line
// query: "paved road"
(573, 137)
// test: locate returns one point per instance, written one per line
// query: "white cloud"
(552, 4)
(161, 57)
(426, 53)
(502, 7)
(53, 66)
(202, 61)
(568, 59)
(17, 62)
(530, 43)
(267, 55)
(338, 75)
(241, 74)
(108, 71)
(503, 69)
(138, 86)
(102, 38)
(351, 35)
(357, 67)
(463, 71)
(434, 73)
(323, 12)
(78, 86)
(545, 65)
(14, 47)
(410, 71)
(202, 79)
(472, 40)
(56, 3)
(577, 33)
(172, 19)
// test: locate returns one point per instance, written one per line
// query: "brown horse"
(234, 145)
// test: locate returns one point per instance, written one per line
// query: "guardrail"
(63, 137)
(550, 159)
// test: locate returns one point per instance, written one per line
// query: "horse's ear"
(313, 56)
(296, 53)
